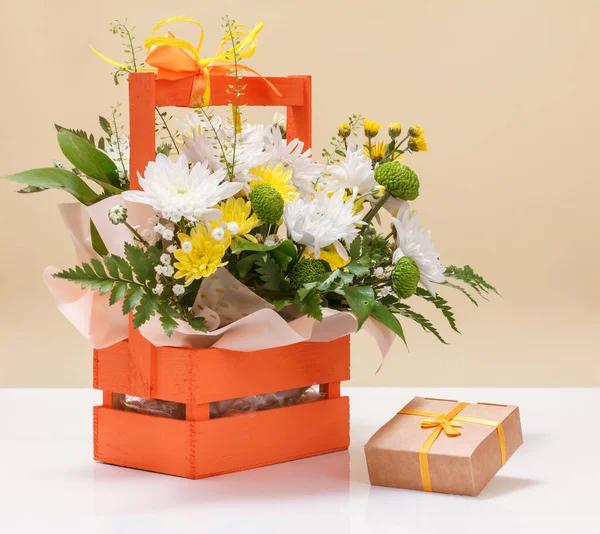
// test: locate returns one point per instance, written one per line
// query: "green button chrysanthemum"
(405, 277)
(398, 179)
(267, 203)
(307, 271)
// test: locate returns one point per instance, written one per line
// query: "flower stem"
(373, 211)
(166, 127)
(136, 234)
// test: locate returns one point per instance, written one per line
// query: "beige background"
(507, 91)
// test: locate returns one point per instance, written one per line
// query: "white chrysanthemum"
(322, 221)
(211, 142)
(415, 242)
(117, 149)
(354, 173)
(304, 171)
(176, 191)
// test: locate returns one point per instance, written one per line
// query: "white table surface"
(50, 483)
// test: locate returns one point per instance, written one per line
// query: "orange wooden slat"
(299, 116)
(142, 103)
(111, 367)
(206, 448)
(197, 376)
(142, 441)
(271, 436)
(256, 93)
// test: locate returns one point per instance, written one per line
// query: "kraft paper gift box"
(443, 446)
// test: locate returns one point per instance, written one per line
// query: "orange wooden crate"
(199, 446)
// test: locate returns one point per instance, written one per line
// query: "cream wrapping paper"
(237, 319)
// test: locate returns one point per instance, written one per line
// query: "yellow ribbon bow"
(448, 423)
(176, 59)
(448, 426)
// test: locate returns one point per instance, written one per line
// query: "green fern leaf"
(441, 304)
(462, 290)
(407, 311)
(468, 276)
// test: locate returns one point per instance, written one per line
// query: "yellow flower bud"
(417, 144)
(378, 191)
(416, 131)
(371, 128)
(394, 129)
(344, 130)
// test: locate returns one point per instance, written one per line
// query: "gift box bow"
(176, 59)
(449, 423)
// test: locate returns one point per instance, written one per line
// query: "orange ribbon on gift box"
(448, 423)
(175, 59)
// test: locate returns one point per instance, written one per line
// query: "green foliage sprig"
(133, 281)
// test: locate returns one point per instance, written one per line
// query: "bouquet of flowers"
(241, 206)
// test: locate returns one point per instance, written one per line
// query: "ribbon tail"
(244, 67)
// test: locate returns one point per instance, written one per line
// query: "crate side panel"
(111, 367)
(142, 441)
(200, 376)
(257, 92)
(269, 437)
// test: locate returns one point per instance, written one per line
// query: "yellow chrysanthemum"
(276, 177)
(237, 211)
(330, 255)
(359, 204)
(200, 255)
(417, 144)
(371, 128)
(376, 151)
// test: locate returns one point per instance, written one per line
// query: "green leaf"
(245, 264)
(468, 276)
(31, 189)
(105, 125)
(360, 300)
(88, 159)
(282, 303)
(355, 247)
(140, 262)
(270, 273)
(164, 148)
(111, 266)
(382, 314)
(118, 292)
(359, 267)
(147, 307)
(97, 242)
(78, 133)
(462, 290)
(283, 258)
(198, 323)
(98, 267)
(441, 304)
(309, 302)
(106, 286)
(132, 298)
(53, 178)
(285, 246)
(123, 266)
(167, 318)
(407, 311)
